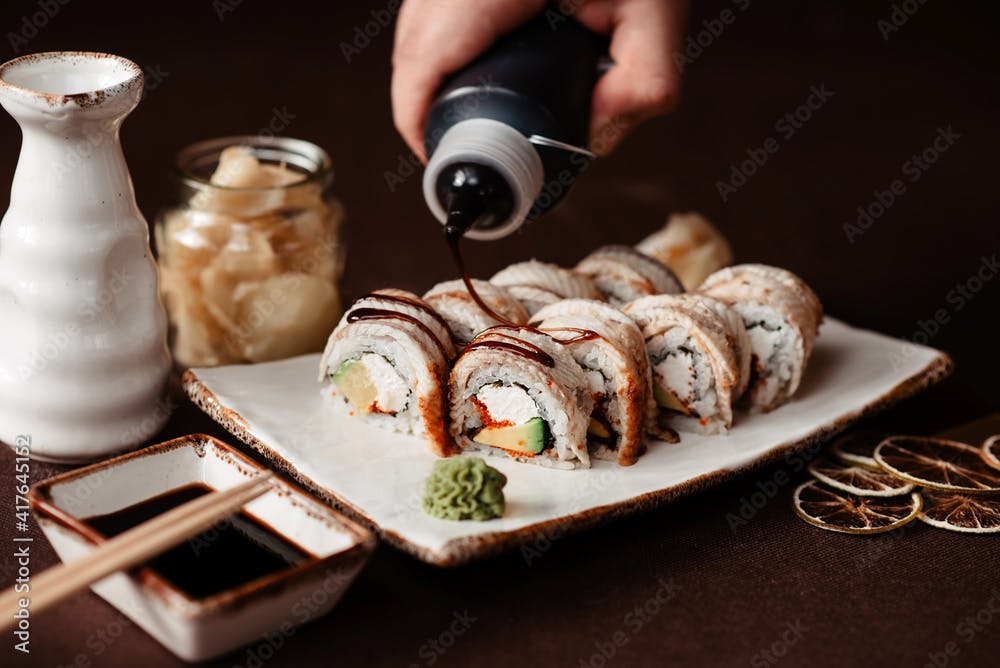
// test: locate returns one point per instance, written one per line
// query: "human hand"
(435, 38)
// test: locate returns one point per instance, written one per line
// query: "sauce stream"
(453, 233)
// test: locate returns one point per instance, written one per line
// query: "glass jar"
(249, 254)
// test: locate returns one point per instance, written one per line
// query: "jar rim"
(313, 160)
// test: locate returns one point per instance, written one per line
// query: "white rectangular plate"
(377, 476)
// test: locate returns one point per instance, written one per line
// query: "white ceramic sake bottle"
(83, 355)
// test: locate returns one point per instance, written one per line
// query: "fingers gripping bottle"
(507, 135)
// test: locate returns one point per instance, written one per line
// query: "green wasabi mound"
(464, 488)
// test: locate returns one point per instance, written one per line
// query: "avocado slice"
(529, 438)
(666, 399)
(352, 379)
(599, 429)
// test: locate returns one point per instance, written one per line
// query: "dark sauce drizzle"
(409, 302)
(368, 313)
(454, 230)
(581, 335)
(517, 347)
(453, 233)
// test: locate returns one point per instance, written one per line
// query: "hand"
(435, 38)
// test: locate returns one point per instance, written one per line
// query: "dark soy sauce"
(230, 554)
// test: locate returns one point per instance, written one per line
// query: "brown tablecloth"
(680, 585)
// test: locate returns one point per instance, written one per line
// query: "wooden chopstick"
(133, 547)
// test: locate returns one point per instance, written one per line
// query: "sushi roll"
(782, 316)
(465, 317)
(623, 274)
(610, 350)
(694, 364)
(387, 362)
(517, 392)
(536, 284)
(690, 245)
(739, 338)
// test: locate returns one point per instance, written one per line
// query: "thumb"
(645, 81)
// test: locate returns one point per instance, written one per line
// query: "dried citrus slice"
(858, 448)
(991, 451)
(938, 463)
(968, 513)
(834, 510)
(858, 480)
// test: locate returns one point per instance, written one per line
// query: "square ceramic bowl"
(199, 629)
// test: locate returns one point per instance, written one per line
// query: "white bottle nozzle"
(499, 146)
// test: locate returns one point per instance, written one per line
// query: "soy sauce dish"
(283, 560)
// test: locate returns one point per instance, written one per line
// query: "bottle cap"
(499, 146)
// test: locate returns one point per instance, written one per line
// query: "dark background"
(857, 601)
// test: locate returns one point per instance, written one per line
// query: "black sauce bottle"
(506, 136)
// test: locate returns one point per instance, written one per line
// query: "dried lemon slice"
(991, 451)
(858, 480)
(834, 510)
(968, 513)
(938, 463)
(858, 448)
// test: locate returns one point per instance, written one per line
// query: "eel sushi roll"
(464, 316)
(690, 245)
(610, 350)
(694, 363)
(623, 274)
(738, 337)
(517, 392)
(387, 363)
(536, 284)
(782, 316)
